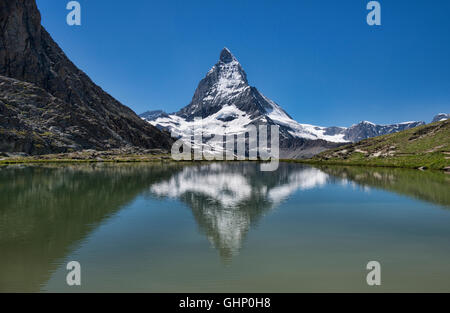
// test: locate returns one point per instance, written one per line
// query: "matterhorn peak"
(226, 56)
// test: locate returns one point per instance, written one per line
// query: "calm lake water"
(223, 227)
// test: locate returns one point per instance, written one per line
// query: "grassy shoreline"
(405, 162)
(420, 162)
(83, 161)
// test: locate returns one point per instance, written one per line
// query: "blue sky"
(318, 59)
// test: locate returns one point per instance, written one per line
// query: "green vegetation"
(22, 133)
(47, 134)
(421, 147)
(434, 161)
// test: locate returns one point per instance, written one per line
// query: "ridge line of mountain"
(152, 115)
(48, 105)
(226, 102)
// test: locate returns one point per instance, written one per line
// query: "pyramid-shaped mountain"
(226, 103)
(225, 86)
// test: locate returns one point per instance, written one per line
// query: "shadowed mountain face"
(46, 212)
(83, 117)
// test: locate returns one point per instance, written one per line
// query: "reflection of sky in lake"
(223, 227)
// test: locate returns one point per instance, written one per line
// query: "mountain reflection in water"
(48, 211)
(227, 199)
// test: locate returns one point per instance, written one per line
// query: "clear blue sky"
(318, 59)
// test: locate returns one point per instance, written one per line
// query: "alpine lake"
(223, 227)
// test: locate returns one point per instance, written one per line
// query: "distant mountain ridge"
(226, 102)
(425, 146)
(441, 117)
(153, 115)
(366, 129)
(68, 111)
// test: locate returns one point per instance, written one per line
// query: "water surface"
(223, 227)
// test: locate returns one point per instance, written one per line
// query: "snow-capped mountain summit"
(227, 104)
(441, 117)
(224, 85)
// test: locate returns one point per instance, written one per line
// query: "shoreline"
(375, 164)
(167, 159)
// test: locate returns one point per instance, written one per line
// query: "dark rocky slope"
(60, 100)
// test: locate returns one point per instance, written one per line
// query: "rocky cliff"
(49, 105)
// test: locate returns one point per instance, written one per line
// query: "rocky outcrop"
(67, 104)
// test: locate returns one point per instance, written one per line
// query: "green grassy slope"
(425, 146)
